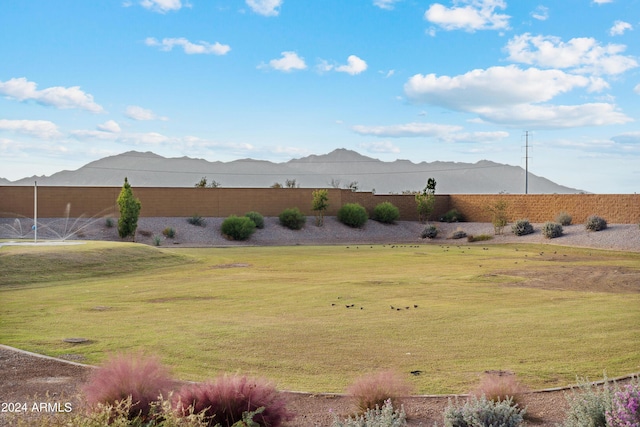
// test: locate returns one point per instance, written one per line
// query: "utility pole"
(526, 162)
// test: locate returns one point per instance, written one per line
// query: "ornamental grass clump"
(564, 219)
(386, 213)
(353, 214)
(482, 412)
(237, 227)
(142, 378)
(625, 408)
(225, 400)
(386, 416)
(522, 227)
(373, 390)
(595, 223)
(500, 386)
(551, 230)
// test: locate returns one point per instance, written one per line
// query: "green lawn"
(279, 312)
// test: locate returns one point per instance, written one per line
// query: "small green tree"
(320, 204)
(203, 183)
(499, 218)
(426, 200)
(129, 211)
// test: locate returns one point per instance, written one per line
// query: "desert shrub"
(551, 230)
(378, 417)
(353, 215)
(257, 218)
(292, 218)
(109, 223)
(564, 219)
(157, 240)
(500, 387)
(482, 412)
(498, 212)
(386, 213)
(452, 216)
(196, 220)
(169, 232)
(122, 376)
(226, 399)
(426, 200)
(625, 408)
(459, 234)
(429, 231)
(595, 223)
(588, 405)
(479, 237)
(237, 227)
(145, 233)
(375, 389)
(522, 227)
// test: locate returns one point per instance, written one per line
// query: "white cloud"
(380, 147)
(619, 27)
(38, 128)
(354, 66)
(406, 130)
(495, 86)
(515, 97)
(265, 7)
(582, 55)
(21, 89)
(556, 116)
(602, 1)
(470, 16)
(161, 6)
(290, 61)
(109, 126)
(138, 113)
(541, 13)
(385, 4)
(189, 48)
(637, 89)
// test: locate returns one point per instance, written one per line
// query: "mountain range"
(340, 168)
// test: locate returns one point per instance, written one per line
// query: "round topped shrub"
(257, 218)
(386, 213)
(595, 223)
(292, 218)
(522, 227)
(353, 214)
(237, 227)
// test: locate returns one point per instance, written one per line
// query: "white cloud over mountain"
(22, 89)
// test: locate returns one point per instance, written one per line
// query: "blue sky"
(454, 80)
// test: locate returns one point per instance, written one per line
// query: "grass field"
(280, 312)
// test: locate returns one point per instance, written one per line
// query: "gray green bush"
(429, 232)
(197, 220)
(595, 223)
(522, 227)
(481, 412)
(588, 404)
(563, 218)
(378, 417)
(551, 230)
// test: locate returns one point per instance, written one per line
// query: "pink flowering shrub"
(625, 408)
(226, 399)
(123, 376)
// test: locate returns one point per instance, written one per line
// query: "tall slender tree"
(129, 211)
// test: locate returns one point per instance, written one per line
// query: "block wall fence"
(54, 202)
